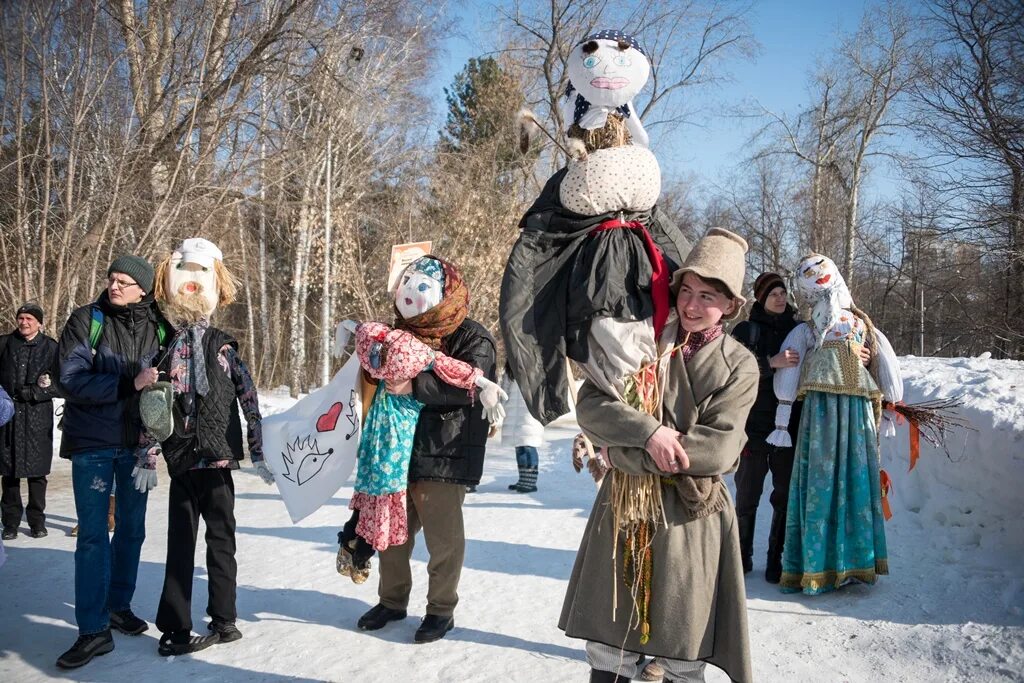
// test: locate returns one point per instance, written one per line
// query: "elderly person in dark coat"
(690, 603)
(26, 443)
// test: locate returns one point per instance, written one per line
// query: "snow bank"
(968, 502)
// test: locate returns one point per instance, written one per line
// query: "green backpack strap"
(163, 329)
(95, 327)
(163, 332)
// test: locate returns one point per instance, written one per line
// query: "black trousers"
(10, 502)
(755, 463)
(210, 494)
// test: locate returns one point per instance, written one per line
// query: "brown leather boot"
(110, 516)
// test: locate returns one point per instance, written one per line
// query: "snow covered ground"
(953, 608)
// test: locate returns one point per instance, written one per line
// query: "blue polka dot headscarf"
(617, 35)
(582, 106)
(430, 267)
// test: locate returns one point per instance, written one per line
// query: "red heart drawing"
(329, 420)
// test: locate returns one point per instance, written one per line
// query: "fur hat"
(719, 255)
(765, 283)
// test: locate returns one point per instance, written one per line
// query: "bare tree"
(971, 115)
(815, 137)
(853, 98)
(881, 60)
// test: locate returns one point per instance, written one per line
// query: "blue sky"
(792, 34)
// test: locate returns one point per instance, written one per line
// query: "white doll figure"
(834, 527)
(606, 71)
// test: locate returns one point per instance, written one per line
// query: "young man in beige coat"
(696, 611)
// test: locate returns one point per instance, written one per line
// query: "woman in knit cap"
(771, 319)
(679, 596)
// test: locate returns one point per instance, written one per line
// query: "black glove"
(25, 393)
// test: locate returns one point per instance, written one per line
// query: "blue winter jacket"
(101, 409)
(6, 407)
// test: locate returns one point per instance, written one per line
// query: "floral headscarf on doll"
(444, 317)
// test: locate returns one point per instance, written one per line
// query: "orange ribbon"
(915, 433)
(886, 482)
(915, 444)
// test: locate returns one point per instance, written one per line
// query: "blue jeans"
(105, 569)
(526, 456)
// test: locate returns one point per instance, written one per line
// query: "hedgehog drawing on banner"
(351, 416)
(312, 446)
(311, 459)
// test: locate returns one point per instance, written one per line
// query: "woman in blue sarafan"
(835, 533)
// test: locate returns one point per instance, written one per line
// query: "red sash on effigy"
(659, 275)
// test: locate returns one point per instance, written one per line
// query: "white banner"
(312, 446)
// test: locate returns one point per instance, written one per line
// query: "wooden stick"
(575, 402)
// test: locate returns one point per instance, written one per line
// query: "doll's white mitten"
(780, 437)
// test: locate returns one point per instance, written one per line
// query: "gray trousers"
(436, 508)
(607, 658)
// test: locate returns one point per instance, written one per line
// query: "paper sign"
(401, 256)
(312, 446)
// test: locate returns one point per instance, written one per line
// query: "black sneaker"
(227, 631)
(38, 533)
(378, 617)
(10, 533)
(85, 648)
(433, 627)
(127, 623)
(184, 643)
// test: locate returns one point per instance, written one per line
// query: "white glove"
(888, 424)
(346, 328)
(780, 437)
(43, 382)
(264, 472)
(145, 479)
(491, 396)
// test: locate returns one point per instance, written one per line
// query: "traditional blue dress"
(835, 531)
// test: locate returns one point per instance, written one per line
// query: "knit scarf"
(432, 326)
(188, 361)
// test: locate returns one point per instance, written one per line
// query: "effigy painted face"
(192, 276)
(815, 273)
(420, 288)
(608, 72)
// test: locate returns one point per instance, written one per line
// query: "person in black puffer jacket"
(106, 356)
(432, 302)
(771, 319)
